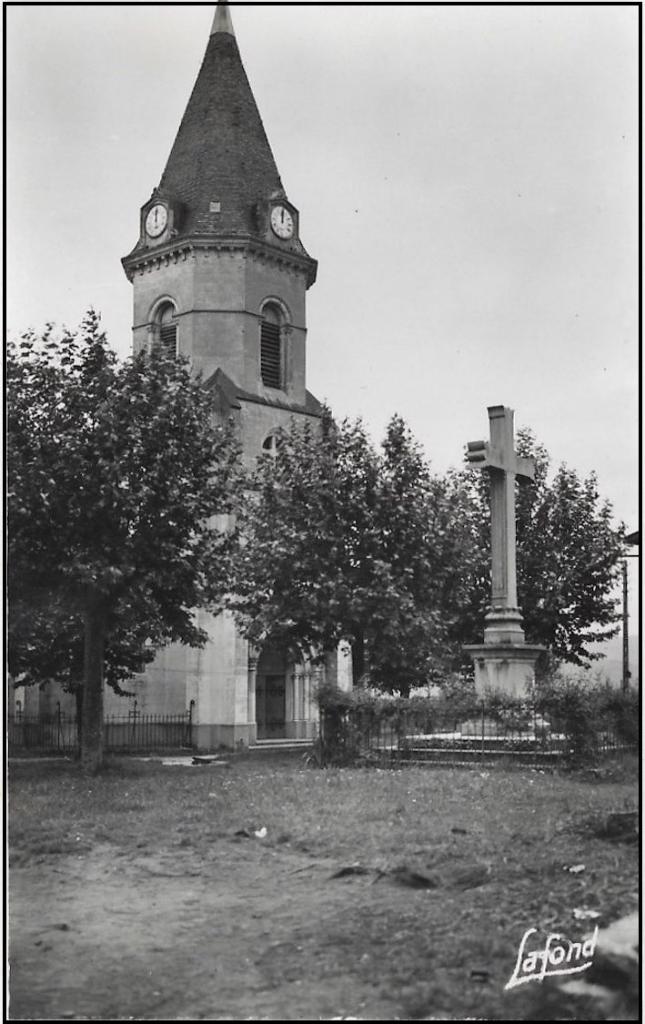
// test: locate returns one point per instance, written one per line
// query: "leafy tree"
(116, 478)
(308, 560)
(345, 543)
(46, 641)
(568, 560)
(425, 541)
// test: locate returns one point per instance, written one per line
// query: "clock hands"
(282, 222)
(156, 220)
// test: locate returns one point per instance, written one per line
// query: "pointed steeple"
(222, 22)
(221, 164)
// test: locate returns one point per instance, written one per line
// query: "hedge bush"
(355, 723)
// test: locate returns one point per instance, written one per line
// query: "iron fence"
(58, 732)
(487, 736)
(54, 733)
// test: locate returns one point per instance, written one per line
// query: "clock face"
(156, 220)
(282, 222)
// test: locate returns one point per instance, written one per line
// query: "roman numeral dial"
(156, 220)
(281, 222)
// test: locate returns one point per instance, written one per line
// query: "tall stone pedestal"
(503, 662)
(507, 667)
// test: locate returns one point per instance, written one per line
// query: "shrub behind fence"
(565, 726)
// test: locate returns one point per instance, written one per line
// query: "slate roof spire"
(222, 22)
(221, 164)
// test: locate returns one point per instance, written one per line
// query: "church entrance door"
(271, 695)
(270, 704)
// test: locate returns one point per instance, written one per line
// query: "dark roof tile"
(221, 153)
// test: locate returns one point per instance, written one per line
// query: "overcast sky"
(466, 177)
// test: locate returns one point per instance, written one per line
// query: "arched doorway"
(271, 695)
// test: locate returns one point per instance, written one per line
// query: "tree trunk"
(358, 657)
(92, 699)
(79, 714)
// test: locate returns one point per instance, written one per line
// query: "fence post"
(190, 723)
(483, 729)
(134, 724)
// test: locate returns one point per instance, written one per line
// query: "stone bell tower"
(220, 275)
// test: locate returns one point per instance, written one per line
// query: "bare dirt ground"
(132, 896)
(244, 932)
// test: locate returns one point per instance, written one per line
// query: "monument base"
(506, 667)
(503, 625)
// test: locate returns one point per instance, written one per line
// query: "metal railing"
(435, 735)
(55, 732)
(58, 732)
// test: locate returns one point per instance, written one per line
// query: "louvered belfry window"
(271, 350)
(168, 331)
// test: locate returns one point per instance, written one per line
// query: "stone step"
(281, 744)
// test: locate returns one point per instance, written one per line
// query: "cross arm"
(515, 464)
(485, 456)
(525, 468)
(477, 453)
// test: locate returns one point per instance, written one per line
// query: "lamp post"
(626, 672)
(634, 539)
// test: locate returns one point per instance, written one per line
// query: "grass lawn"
(132, 895)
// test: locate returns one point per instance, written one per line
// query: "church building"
(219, 274)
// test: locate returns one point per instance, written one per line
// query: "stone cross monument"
(504, 661)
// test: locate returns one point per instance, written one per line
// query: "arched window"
(165, 329)
(271, 444)
(271, 370)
